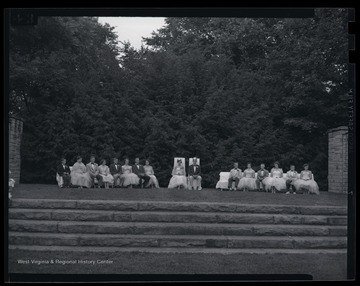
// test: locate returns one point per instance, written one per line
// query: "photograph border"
(29, 17)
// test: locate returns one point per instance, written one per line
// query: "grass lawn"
(320, 266)
(37, 191)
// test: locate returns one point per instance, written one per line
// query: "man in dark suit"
(194, 174)
(138, 169)
(261, 175)
(234, 176)
(115, 170)
(93, 169)
(64, 171)
(291, 177)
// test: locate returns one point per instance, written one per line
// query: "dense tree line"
(222, 89)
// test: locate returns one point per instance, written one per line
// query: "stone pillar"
(15, 134)
(338, 160)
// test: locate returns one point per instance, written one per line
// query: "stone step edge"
(134, 216)
(169, 206)
(44, 210)
(135, 223)
(180, 213)
(175, 228)
(171, 241)
(175, 202)
(172, 236)
(174, 250)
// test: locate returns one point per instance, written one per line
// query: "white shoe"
(287, 193)
(294, 193)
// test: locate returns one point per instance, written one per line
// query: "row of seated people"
(94, 175)
(179, 178)
(274, 181)
(124, 176)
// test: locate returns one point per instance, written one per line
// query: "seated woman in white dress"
(306, 182)
(128, 178)
(150, 172)
(79, 176)
(275, 182)
(178, 179)
(248, 182)
(104, 172)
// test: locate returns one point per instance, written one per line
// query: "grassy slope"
(210, 195)
(320, 266)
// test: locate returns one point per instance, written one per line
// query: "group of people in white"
(273, 181)
(94, 175)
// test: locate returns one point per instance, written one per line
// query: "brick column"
(338, 160)
(15, 134)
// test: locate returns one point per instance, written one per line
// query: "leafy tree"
(55, 71)
(223, 89)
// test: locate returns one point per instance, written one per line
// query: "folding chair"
(223, 181)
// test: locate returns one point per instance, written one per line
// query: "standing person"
(64, 171)
(115, 171)
(11, 185)
(138, 169)
(79, 175)
(261, 175)
(150, 172)
(104, 172)
(128, 177)
(93, 169)
(178, 178)
(194, 174)
(306, 182)
(276, 181)
(291, 177)
(235, 176)
(248, 182)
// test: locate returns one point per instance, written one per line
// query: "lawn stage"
(36, 191)
(321, 265)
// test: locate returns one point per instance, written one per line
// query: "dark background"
(222, 89)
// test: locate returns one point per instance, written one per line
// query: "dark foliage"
(221, 89)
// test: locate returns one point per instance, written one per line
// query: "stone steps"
(118, 205)
(173, 250)
(166, 216)
(177, 241)
(170, 228)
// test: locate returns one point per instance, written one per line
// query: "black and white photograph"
(194, 144)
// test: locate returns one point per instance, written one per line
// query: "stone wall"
(15, 134)
(338, 160)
